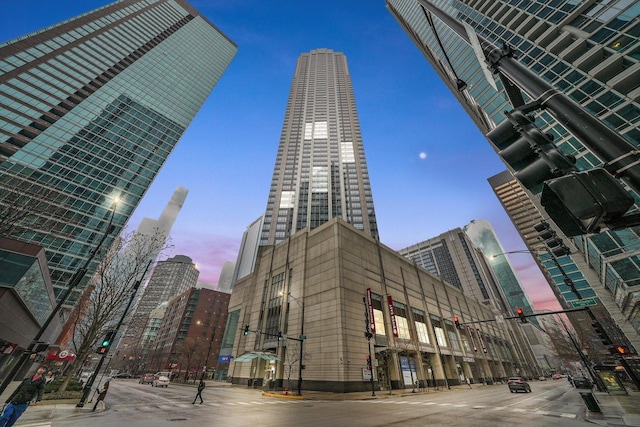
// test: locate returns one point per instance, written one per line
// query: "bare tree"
(292, 358)
(124, 264)
(191, 352)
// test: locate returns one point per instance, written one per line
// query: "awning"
(247, 357)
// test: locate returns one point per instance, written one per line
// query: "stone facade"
(314, 285)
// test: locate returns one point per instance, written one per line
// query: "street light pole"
(300, 340)
(73, 283)
(87, 388)
(206, 360)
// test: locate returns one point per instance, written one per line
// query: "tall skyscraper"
(92, 108)
(588, 51)
(320, 170)
(484, 238)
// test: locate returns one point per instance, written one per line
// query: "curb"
(283, 396)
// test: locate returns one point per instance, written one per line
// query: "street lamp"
(206, 360)
(300, 340)
(73, 283)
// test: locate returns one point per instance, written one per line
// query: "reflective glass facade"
(321, 171)
(588, 50)
(90, 109)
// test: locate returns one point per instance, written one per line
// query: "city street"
(131, 404)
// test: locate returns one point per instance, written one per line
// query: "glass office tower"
(588, 50)
(320, 170)
(90, 110)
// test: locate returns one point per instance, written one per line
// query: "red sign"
(392, 312)
(372, 320)
(484, 347)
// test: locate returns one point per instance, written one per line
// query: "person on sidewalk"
(103, 392)
(468, 382)
(199, 395)
(29, 389)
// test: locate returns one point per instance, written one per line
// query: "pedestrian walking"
(468, 382)
(102, 392)
(199, 395)
(29, 389)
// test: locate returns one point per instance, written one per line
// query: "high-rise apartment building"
(589, 51)
(91, 109)
(320, 170)
(170, 277)
(190, 334)
(454, 258)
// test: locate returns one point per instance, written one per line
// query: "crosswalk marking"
(38, 424)
(463, 405)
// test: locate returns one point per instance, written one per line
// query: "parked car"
(160, 381)
(543, 378)
(582, 382)
(556, 376)
(518, 384)
(147, 379)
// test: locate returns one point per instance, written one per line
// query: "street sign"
(583, 303)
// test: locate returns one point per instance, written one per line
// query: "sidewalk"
(617, 410)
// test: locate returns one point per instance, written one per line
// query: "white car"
(160, 381)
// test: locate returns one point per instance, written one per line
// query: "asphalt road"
(552, 403)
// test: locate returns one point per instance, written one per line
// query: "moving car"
(147, 378)
(160, 381)
(123, 375)
(518, 384)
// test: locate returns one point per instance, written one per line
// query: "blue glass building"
(590, 51)
(90, 109)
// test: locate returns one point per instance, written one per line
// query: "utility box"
(590, 400)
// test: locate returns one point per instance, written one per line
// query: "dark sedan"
(518, 384)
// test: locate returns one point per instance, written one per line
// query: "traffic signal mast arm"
(527, 315)
(279, 335)
(591, 196)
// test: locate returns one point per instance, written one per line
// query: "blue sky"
(428, 162)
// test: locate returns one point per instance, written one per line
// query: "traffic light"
(108, 338)
(599, 330)
(102, 350)
(619, 349)
(579, 203)
(368, 358)
(529, 152)
(551, 240)
(457, 322)
(246, 329)
(521, 315)
(279, 336)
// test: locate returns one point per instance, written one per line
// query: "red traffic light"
(521, 315)
(456, 321)
(620, 349)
